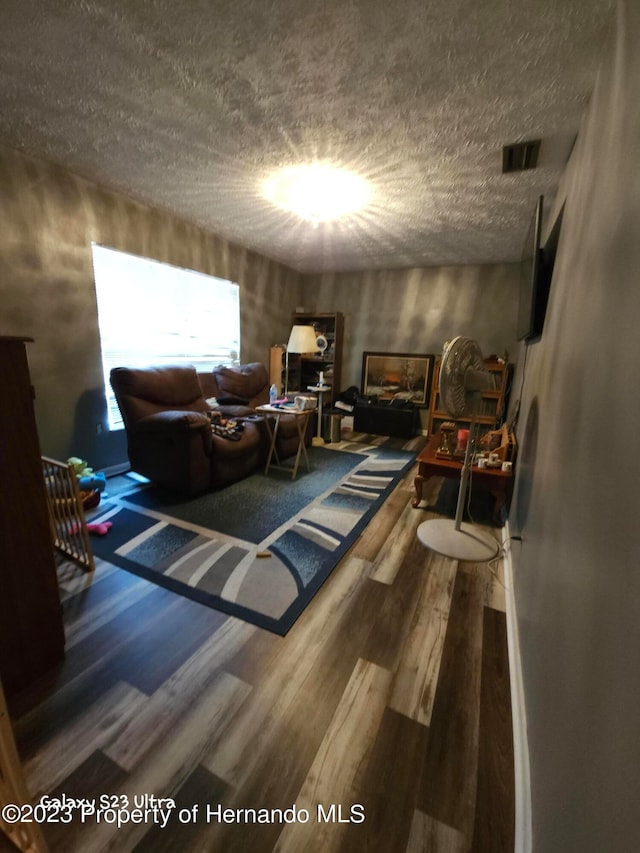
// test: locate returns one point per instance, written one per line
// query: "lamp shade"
(302, 339)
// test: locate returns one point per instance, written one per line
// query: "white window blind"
(150, 314)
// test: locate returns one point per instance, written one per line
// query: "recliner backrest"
(144, 391)
(247, 381)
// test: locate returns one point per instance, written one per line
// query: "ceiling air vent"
(520, 157)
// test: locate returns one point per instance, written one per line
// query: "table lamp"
(302, 339)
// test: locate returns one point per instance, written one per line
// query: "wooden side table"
(302, 419)
(429, 465)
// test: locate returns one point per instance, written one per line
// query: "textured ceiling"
(188, 106)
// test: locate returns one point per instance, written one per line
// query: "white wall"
(577, 569)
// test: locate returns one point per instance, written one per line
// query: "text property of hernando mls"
(120, 810)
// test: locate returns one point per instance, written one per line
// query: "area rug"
(261, 548)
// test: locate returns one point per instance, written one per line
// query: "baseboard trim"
(114, 470)
(522, 776)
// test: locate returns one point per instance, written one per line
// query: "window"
(151, 313)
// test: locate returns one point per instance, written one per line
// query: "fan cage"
(460, 357)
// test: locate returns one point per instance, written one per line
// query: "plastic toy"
(100, 529)
(88, 479)
(93, 482)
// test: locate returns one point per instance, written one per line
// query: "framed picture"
(398, 375)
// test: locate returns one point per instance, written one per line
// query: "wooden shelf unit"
(277, 367)
(492, 404)
(304, 369)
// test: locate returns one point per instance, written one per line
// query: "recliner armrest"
(172, 421)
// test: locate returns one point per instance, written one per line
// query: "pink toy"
(100, 529)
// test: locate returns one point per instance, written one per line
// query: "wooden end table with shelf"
(495, 480)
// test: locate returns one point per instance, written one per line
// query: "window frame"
(179, 310)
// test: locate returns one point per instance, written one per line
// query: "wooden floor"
(388, 698)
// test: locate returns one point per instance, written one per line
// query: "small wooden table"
(429, 465)
(302, 419)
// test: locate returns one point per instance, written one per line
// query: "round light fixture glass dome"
(318, 192)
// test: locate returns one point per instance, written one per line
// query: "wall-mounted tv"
(532, 280)
(536, 271)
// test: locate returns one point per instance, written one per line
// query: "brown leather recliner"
(169, 435)
(239, 390)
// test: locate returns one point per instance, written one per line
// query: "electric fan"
(463, 378)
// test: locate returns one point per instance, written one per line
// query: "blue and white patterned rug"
(261, 548)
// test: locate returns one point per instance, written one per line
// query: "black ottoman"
(385, 419)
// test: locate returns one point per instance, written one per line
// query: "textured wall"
(418, 310)
(576, 571)
(48, 219)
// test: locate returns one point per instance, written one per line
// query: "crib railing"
(68, 525)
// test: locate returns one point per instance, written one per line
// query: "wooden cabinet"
(304, 369)
(31, 628)
(277, 367)
(492, 404)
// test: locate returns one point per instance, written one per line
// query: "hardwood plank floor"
(388, 700)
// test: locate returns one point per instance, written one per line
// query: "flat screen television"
(534, 289)
(536, 273)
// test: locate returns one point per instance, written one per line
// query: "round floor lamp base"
(468, 543)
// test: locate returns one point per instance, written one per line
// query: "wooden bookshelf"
(492, 403)
(304, 369)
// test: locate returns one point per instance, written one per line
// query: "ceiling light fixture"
(317, 192)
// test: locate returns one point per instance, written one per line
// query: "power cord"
(493, 563)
